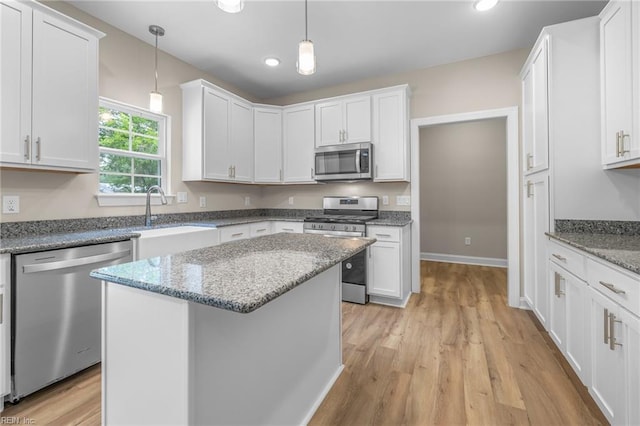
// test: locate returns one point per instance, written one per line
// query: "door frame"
(513, 192)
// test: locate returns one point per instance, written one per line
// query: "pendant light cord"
(156, 89)
(306, 34)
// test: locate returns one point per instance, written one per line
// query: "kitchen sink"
(162, 241)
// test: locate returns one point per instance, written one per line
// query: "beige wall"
(463, 189)
(126, 74)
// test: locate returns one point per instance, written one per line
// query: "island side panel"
(272, 366)
(145, 349)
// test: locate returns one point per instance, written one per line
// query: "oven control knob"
(348, 265)
(333, 227)
(353, 228)
(313, 226)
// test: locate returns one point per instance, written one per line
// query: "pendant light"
(306, 56)
(155, 97)
(231, 6)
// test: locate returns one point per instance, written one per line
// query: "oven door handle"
(333, 233)
(358, 165)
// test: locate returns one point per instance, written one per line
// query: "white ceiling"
(354, 39)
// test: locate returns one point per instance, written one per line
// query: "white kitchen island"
(247, 332)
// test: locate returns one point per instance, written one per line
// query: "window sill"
(118, 200)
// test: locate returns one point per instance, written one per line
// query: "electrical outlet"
(203, 201)
(247, 201)
(403, 200)
(10, 204)
(290, 201)
(182, 197)
(467, 241)
(385, 200)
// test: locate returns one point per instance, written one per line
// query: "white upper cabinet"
(535, 109)
(343, 120)
(217, 134)
(620, 97)
(267, 128)
(391, 135)
(49, 80)
(298, 135)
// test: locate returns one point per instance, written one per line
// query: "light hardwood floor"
(456, 355)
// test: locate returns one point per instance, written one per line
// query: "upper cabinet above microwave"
(620, 84)
(343, 120)
(49, 102)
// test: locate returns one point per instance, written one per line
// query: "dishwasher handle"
(79, 261)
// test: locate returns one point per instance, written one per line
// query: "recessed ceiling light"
(272, 62)
(483, 5)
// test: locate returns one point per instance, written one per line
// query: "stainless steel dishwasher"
(56, 313)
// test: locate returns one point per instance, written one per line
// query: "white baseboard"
(388, 301)
(467, 260)
(322, 395)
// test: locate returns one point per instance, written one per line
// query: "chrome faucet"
(163, 199)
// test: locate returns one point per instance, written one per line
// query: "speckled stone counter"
(621, 250)
(239, 276)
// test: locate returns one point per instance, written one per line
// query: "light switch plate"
(403, 200)
(385, 200)
(182, 197)
(290, 201)
(10, 204)
(247, 201)
(203, 201)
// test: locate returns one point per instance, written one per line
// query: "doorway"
(513, 199)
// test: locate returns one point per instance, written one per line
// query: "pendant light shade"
(306, 58)
(230, 6)
(155, 97)
(306, 54)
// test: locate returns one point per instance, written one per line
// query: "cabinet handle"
(529, 161)
(312, 173)
(529, 189)
(27, 148)
(557, 291)
(617, 144)
(621, 149)
(383, 235)
(606, 326)
(345, 135)
(229, 172)
(237, 235)
(612, 288)
(376, 170)
(560, 258)
(38, 149)
(281, 175)
(1, 308)
(612, 331)
(234, 172)
(288, 229)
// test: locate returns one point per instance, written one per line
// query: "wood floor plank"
(456, 355)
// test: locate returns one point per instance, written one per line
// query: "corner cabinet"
(343, 120)
(49, 80)
(391, 134)
(217, 135)
(620, 80)
(389, 265)
(267, 140)
(298, 143)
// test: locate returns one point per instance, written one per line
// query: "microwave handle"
(358, 165)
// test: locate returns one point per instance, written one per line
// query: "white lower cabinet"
(388, 268)
(5, 334)
(235, 232)
(292, 227)
(259, 229)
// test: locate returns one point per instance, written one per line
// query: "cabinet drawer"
(291, 227)
(236, 232)
(384, 233)
(260, 228)
(618, 286)
(569, 259)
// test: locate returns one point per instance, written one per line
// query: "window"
(133, 146)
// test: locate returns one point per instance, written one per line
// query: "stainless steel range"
(347, 217)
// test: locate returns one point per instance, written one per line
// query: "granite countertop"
(54, 241)
(621, 250)
(238, 276)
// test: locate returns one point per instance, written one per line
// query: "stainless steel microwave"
(353, 161)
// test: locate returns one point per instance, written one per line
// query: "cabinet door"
(267, 144)
(558, 305)
(632, 368)
(607, 372)
(298, 144)
(217, 164)
(384, 268)
(241, 141)
(577, 330)
(616, 82)
(65, 94)
(535, 118)
(390, 137)
(329, 123)
(357, 119)
(15, 82)
(535, 224)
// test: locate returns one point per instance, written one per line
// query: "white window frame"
(164, 150)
